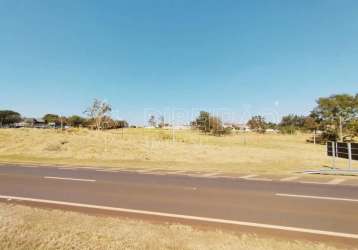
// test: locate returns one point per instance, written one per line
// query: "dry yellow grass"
(23, 227)
(155, 148)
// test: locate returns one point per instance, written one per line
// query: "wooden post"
(333, 154)
(349, 155)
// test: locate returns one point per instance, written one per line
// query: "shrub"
(288, 130)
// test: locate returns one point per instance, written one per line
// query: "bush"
(353, 127)
(288, 130)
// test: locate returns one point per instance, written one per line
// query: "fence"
(344, 150)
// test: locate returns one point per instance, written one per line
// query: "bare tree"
(97, 111)
(161, 122)
(152, 121)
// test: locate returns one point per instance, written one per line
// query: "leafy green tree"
(257, 123)
(8, 117)
(122, 124)
(208, 123)
(272, 125)
(353, 127)
(76, 121)
(203, 122)
(52, 118)
(216, 126)
(310, 124)
(293, 121)
(109, 123)
(336, 111)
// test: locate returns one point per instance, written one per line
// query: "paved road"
(293, 209)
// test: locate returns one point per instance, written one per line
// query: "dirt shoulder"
(24, 227)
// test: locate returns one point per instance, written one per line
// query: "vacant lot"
(156, 148)
(23, 227)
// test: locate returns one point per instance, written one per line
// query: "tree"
(208, 123)
(202, 122)
(257, 123)
(353, 127)
(109, 123)
(291, 123)
(152, 121)
(311, 125)
(272, 125)
(336, 111)
(161, 122)
(9, 117)
(76, 121)
(122, 124)
(97, 111)
(51, 118)
(216, 126)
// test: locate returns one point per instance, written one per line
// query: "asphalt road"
(317, 212)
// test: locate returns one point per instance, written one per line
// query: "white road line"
(68, 179)
(248, 176)
(107, 170)
(143, 171)
(65, 168)
(180, 171)
(313, 182)
(177, 172)
(157, 173)
(115, 169)
(210, 174)
(291, 178)
(258, 179)
(89, 169)
(336, 181)
(317, 197)
(187, 217)
(228, 177)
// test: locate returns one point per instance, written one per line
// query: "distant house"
(176, 127)
(229, 125)
(243, 128)
(52, 125)
(20, 125)
(182, 127)
(34, 123)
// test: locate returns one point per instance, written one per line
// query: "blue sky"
(234, 57)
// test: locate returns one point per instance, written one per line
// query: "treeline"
(97, 117)
(334, 118)
(289, 124)
(78, 121)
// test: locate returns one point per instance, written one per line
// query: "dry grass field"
(155, 148)
(23, 227)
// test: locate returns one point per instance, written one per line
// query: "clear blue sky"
(237, 56)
